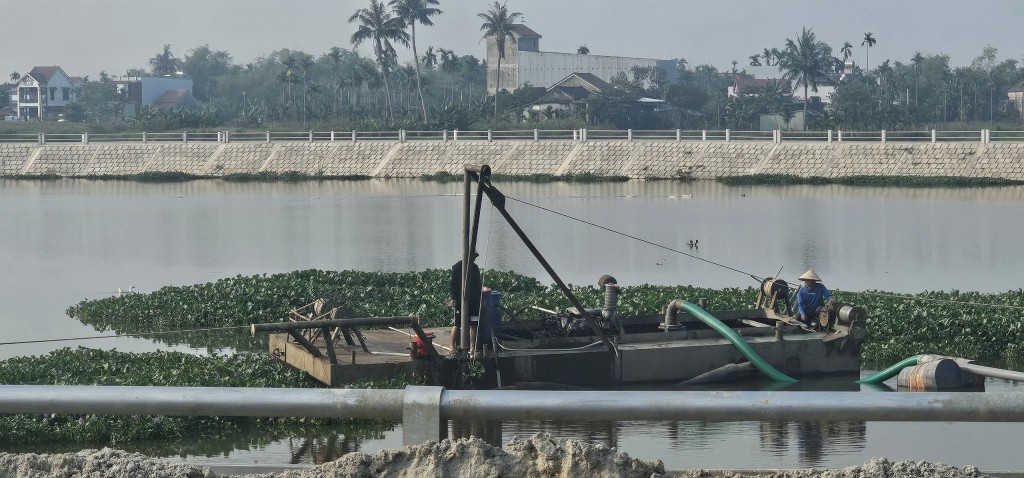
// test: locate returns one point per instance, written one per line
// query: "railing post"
(353, 136)
(144, 139)
(830, 136)
(444, 136)
(703, 135)
(268, 136)
(679, 135)
(310, 136)
(840, 136)
(85, 137)
(184, 136)
(42, 138)
(219, 137)
(629, 135)
(421, 415)
(455, 134)
(934, 136)
(883, 136)
(575, 135)
(728, 135)
(332, 135)
(984, 136)
(584, 135)
(227, 136)
(536, 135)
(490, 135)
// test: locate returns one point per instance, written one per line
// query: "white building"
(524, 63)
(44, 92)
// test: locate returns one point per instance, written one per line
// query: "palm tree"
(430, 58)
(379, 26)
(15, 76)
(806, 60)
(164, 63)
(411, 12)
(769, 56)
(336, 55)
(755, 60)
(583, 50)
(305, 62)
(847, 50)
(869, 41)
(498, 23)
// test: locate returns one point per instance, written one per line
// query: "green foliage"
(867, 180)
(99, 367)
(287, 176)
(586, 177)
(945, 323)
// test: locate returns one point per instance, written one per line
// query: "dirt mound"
(536, 456)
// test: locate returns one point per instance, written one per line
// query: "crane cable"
(753, 276)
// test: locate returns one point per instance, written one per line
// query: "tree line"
(341, 89)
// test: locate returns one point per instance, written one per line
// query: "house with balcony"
(44, 93)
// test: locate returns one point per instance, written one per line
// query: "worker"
(810, 296)
(474, 288)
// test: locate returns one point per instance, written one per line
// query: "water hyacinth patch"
(70, 366)
(899, 326)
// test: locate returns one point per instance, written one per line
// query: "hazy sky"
(86, 36)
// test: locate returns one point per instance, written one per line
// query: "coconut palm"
(15, 76)
(164, 63)
(412, 12)
(769, 56)
(499, 23)
(847, 50)
(755, 60)
(869, 41)
(379, 26)
(583, 50)
(808, 61)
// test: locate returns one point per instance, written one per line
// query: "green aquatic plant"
(955, 323)
(83, 366)
(867, 180)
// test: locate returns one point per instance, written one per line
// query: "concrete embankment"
(638, 159)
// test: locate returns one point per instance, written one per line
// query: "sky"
(87, 36)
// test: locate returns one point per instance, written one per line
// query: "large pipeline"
(732, 337)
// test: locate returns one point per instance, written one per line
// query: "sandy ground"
(536, 456)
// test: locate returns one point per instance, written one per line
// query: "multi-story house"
(524, 63)
(44, 92)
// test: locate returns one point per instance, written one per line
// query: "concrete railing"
(423, 410)
(777, 136)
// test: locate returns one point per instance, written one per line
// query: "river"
(67, 240)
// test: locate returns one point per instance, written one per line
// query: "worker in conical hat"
(810, 297)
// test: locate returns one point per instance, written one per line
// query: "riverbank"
(643, 159)
(537, 456)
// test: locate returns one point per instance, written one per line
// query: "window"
(66, 93)
(53, 93)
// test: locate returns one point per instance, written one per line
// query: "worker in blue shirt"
(810, 296)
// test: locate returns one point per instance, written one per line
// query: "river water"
(68, 240)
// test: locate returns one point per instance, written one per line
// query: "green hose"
(736, 340)
(891, 371)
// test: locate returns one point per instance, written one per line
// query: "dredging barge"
(578, 346)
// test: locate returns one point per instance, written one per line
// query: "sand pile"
(536, 456)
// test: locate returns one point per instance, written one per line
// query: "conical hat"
(810, 275)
